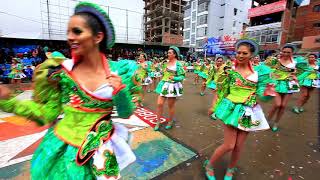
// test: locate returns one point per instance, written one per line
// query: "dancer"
(204, 72)
(309, 79)
(143, 72)
(284, 70)
(84, 144)
(197, 66)
(238, 109)
(214, 72)
(16, 74)
(256, 61)
(170, 87)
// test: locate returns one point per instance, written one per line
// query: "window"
(199, 43)
(221, 29)
(187, 12)
(193, 27)
(202, 19)
(223, 4)
(186, 43)
(194, 13)
(266, 35)
(316, 25)
(193, 5)
(186, 35)
(221, 17)
(202, 32)
(234, 23)
(202, 7)
(316, 8)
(235, 11)
(187, 24)
(193, 39)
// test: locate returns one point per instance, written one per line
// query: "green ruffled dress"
(68, 150)
(282, 74)
(237, 99)
(171, 88)
(308, 76)
(197, 67)
(204, 71)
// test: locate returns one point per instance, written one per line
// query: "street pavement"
(291, 153)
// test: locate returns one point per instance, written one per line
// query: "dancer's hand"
(115, 81)
(270, 90)
(5, 92)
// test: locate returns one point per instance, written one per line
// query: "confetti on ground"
(301, 177)
(282, 163)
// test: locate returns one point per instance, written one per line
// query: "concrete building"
(213, 18)
(272, 23)
(163, 22)
(307, 27)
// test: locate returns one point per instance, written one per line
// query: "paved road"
(290, 153)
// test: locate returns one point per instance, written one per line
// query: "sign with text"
(268, 9)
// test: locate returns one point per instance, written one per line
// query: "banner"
(268, 9)
(223, 45)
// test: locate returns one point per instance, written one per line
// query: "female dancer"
(308, 80)
(213, 74)
(256, 61)
(170, 87)
(142, 72)
(238, 108)
(16, 74)
(284, 70)
(84, 144)
(204, 72)
(197, 66)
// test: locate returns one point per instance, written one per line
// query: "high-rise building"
(272, 22)
(213, 18)
(163, 21)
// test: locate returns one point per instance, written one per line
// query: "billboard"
(223, 45)
(268, 9)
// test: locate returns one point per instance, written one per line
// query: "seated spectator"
(28, 72)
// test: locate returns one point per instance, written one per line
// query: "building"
(163, 22)
(272, 23)
(213, 18)
(307, 27)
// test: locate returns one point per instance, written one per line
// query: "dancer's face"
(312, 58)
(80, 37)
(141, 58)
(219, 62)
(256, 60)
(286, 53)
(171, 54)
(243, 54)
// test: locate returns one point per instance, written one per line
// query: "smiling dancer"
(84, 144)
(284, 72)
(238, 109)
(309, 79)
(170, 86)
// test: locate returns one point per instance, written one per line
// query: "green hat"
(176, 49)
(102, 16)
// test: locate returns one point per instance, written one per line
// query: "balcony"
(265, 26)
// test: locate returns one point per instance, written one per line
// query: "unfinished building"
(163, 22)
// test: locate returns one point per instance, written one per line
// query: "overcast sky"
(25, 18)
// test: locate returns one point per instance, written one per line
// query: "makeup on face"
(243, 54)
(80, 37)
